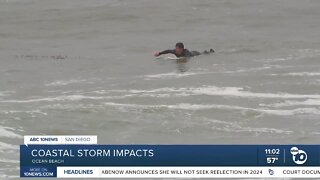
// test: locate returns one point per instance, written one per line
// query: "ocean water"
(87, 67)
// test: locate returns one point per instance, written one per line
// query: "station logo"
(271, 172)
(298, 156)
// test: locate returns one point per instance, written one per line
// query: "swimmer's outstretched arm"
(164, 52)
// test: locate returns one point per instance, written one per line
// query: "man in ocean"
(180, 51)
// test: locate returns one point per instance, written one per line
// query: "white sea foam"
(83, 97)
(300, 54)
(5, 176)
(236, 127)
(58, 98)
(308, 102)
(297, 111)
(250, 69)
(174, 75)
(71, 81)
(239, 92)
(27, 112)
(222, 91)
(4, 132)
(5, 146)
(279, 59)
(99, 92)
(65, 82)
(254, 130)
(9, 161)
(196, 107)
(203, 72)
(304, 74)
(298, 74)
(167, 92)
(6, 93)
(89, 108)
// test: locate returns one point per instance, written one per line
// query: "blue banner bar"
(48, 157)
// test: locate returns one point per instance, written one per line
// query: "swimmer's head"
(179, 48)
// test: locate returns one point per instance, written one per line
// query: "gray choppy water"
(86, 67)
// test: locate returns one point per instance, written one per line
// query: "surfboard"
(171, 58)
(175, 58)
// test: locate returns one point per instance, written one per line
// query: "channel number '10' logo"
(298, 156)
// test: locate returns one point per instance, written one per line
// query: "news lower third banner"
(82, 157)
